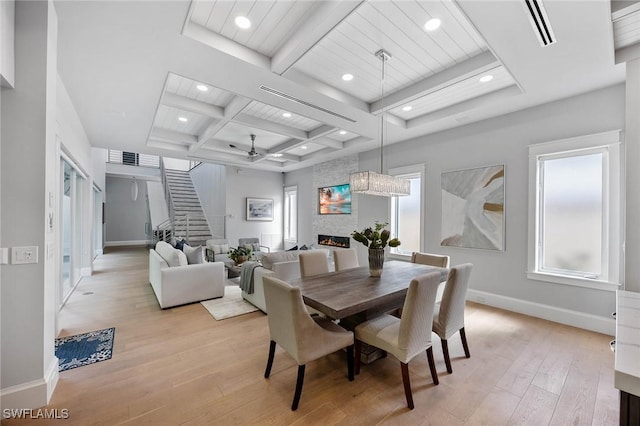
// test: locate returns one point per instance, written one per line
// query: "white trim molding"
(34, 394)
(604, 325)
(127, 243)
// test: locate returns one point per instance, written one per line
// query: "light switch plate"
(24, 255)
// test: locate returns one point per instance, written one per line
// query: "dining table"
(353, 295)
(353, 291)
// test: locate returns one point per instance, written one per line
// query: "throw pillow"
(294, 248)
(180, 244)
(194, 254)
(248, 246)
(255, 247)
(216, 248)
(304, 247)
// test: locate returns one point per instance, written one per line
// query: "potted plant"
(239, 254)
(376, 238)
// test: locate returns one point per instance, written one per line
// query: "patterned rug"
(231, 305)
(84, 349)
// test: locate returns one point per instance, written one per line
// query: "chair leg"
(432, 366)
(407, 384)
(463, 335)
(299, 382)
(445, 351)
(350, 362)
(358, 346)
(272, 351)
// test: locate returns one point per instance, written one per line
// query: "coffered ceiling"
(182, 79)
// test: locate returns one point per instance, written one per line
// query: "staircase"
(189, 221)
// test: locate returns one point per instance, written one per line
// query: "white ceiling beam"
(321, 20)
(628, 53)
(270, 126)
(234, 107)
(476, 65)
(168, 146)
(172, 136)
(320, 87)
(465, 106)
(223, 44)
(321, 131)
(285, 146)
(192, 105)
(329, 143)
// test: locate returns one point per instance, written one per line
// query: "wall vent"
(301, 102)
(540, 22)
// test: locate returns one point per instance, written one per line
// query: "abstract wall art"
(473, 208)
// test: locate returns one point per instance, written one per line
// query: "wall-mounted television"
(334, 199)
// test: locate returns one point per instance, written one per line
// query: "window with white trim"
(406, 212)
(575, 211)
(291, 214)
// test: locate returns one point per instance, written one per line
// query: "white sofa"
(175, 282)
(281, 264)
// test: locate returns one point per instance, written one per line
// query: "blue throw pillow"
(180, 244)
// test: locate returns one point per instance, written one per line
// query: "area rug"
(84, 349)
(231, 305)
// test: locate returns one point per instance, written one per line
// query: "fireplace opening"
(334, 241)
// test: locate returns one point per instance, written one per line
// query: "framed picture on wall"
(260, 209)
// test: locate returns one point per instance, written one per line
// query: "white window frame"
(290, 238)
(608, 143)
(407, 172)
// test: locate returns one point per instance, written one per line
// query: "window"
(406, 212)
(574, 228)
(291, 214)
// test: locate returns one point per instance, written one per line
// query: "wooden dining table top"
(352, 291)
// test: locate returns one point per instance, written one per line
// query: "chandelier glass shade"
(373, 183)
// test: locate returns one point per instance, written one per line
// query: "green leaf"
(394, 242)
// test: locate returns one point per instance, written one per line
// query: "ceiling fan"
(252, 152)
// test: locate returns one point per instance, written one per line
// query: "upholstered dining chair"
(439, 260)
(448, 316)
(304, 338)
(407, 336)
(313, 262)
(345, 259)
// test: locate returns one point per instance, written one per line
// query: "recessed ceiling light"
(432, 24)
(347, 77)
(486, 78)
(343, 132)
(243, 22)
(275, 155)
(183, 119)
(407, 108)
(202, 87)
(286, 114)
(303, 147)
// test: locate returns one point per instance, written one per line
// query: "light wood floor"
(180, 366)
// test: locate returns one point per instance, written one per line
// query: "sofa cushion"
(268, 259)
(195, 255)
(172, 256)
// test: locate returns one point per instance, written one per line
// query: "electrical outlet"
(24, 255)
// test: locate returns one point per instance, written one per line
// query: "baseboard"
(34, 394)
(127, 243)
(604, 325)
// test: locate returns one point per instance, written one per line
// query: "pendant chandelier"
(370, 182)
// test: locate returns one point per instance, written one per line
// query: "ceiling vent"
(301, 102)
(540, 22)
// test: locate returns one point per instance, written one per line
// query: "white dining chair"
(304, 338)
(345, 259)
(448, 316)
(439, 260)
(313, 262)
(407, 336)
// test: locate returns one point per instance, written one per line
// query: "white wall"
(125, 219)
(243, 183)
(210, 182)
(28, 365)
(502, 140)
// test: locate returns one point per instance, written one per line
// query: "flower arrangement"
(376, 237)
(239, 254)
